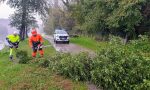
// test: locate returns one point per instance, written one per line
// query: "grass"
(14, 76)
(89, 43)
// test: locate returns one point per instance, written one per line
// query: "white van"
(61, 36)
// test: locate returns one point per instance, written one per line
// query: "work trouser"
(12, 46)
(35, 49)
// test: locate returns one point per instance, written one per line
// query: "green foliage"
(110, 16)
(142, 44)
(39, 6)
(44, 63)
(22, 56)
(118, 66)
(16, 20)
(89, 43)
(23, 18)
(76, 67)
(116, 15)
(127, 14)
(3, 53)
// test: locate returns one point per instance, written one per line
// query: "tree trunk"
(23, 26)
(126, 39)
(22, 36)
(26, 32)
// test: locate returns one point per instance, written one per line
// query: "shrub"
(142, 44)
(44, 63)
(76, 67)
(55, 61)
(118, 68)
(22, 57)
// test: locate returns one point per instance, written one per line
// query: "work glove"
(32, 47)
(17, 43)
(40, 46)
(16, 46)
(10, 46)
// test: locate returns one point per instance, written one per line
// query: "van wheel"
(56, 42)
(68, 42)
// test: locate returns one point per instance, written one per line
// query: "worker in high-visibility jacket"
(13, 41)
(36, 43)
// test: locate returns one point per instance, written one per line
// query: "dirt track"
(68, 48)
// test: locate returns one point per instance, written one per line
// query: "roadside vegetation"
(31, 73)
(89, 42)
(122, 60)
(119, 66)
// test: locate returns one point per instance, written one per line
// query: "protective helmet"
(15, 33)
(34, 32)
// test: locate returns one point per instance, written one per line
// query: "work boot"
(11, 57)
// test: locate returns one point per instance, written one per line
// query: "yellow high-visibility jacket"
(13, 38)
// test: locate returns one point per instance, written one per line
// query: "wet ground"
(68, 48)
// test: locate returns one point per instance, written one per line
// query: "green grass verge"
(14, 76)
(89, 43)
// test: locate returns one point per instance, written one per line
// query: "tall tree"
(117, 16)
(26, 7)
(16, 21)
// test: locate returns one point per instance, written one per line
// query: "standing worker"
(36, 42)
(13, 41)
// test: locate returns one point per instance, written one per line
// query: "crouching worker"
(13, 41)
(36, 42)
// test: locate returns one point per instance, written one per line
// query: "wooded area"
(24, 17)
(125, 18)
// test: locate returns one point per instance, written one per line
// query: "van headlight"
(68, 37)
(57, 37)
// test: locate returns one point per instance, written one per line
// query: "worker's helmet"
(15, 33)
(34, 32)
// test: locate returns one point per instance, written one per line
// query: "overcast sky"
(6, 11)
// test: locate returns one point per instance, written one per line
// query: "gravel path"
(73, 49)
(68, 48)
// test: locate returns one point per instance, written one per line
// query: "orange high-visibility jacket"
(35, 40)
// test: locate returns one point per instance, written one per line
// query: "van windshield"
(60, 32)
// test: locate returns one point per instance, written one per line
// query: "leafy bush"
(142, 44)
(118, 66)
(76, 67)
(55, 61)
(44, 63)
(22, 57)
(115, 69)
